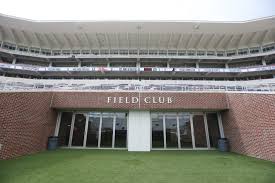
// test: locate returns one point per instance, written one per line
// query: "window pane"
(65, 128)
(171, 130)
(213, 128)
(157, 131)
(93, 130)
(199, 131)
(79, 129)
(121, 130)
(107, 129)
(185, 130)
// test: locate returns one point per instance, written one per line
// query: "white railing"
(19, 84)
(136, 69)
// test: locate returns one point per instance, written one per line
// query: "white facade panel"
(139, 131)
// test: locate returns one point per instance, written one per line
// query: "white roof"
(148, 35)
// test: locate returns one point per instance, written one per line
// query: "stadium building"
(138, 86)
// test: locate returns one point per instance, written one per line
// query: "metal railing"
(18, 84)
(135, 69)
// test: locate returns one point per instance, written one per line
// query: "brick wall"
(26, 120)
(250, 124)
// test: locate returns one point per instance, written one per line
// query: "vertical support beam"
(138, 67)
(164, 131)
(197, 65)
(114, 131)
(263, 62)
(71, 131)
(14, 60)
(139, 122)
(79, 64)
(178, 131)
(168, 64)
(226, 66)
(108, 64)
(86, 129)
(50, 64)
(99, 135)
(57, 126)
(192, 132)
(206, 130)
(220, 124)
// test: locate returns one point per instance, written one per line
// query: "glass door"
(78, 130)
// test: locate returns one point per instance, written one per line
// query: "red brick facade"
(26, 121)
(97, 100)
(250, 124)
(28, 118)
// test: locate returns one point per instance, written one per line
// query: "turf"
(107, 166)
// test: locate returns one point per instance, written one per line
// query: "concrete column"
(263, 62)
(108, 64)
(168, 64)
(138, 64)
(197, 65)
(226, 65)
(14, 60)
(79, 64)
(139, 131)
(50, 64)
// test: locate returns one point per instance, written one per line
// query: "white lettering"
(134, 100)
(161, 100)
(126, 100)
(120, 100)
(169, 100)
(109, 100)
(147, 100)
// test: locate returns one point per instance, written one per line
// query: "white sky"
(213, 10)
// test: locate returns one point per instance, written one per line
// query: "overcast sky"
(213, 10)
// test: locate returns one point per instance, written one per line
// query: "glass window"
(157, 131)
(199, 131)
(213, 128)
(107, 129)
(93, 130)
(65, 128)
(185, 130)
(79, 130)
(121, 130)
(171, 130)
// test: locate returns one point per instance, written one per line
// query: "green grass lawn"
(107, 166)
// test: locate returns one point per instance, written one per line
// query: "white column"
(164, 131)
(139, 131)
(79, 64)
(264, 62)
(86, 130)
(14, 60)
(206, 130)
(57, 126)
(178, 131)
(114, 131)
(192, 131)
(220, 124)
(71, 131)
(226, 65)
(197, 65)
(99, 135)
